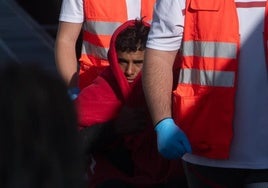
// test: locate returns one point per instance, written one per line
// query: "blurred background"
(27, 31)
(45, 12)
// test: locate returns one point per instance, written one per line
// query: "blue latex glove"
(172, 143)
(73, 92)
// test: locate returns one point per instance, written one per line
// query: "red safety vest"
(204, 99)
(102, 17)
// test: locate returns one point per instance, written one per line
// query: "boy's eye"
(122, 61)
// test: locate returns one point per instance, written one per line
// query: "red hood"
(102, 100)
(125, 87)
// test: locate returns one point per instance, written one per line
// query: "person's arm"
(162, 46)
(157, 82)
(65, 51)
(97, 137)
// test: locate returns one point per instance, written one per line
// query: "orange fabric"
(91, 38)
(206, 113)
(100, 11)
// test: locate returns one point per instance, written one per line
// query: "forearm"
(157, 82)
(66, 62)
(97, 137)
(65, 52)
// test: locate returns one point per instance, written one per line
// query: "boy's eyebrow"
(139, 60)
(135, 61)
(122, 59)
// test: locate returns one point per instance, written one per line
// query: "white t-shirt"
(72, 10)
(249, 147)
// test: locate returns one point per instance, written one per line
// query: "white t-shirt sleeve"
(167, 25)
(72, 11)
(133, 9)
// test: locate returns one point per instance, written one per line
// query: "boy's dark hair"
(133, 38)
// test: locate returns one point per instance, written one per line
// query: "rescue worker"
(98, 20)
(219, 122)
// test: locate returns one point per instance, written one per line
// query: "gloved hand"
(171, 140)
(73, 92)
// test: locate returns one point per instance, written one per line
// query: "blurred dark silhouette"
(38, 132)
(45, 12)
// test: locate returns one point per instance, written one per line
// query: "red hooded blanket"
(101, 102)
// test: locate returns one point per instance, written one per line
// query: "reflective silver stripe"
(207, 78)
(96, 51)
(210, 49)
(101, 28)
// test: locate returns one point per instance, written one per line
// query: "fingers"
(186, 144)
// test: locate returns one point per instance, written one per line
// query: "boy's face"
(131, 63)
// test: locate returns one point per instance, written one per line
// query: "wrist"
(164, 119)
(164, 124)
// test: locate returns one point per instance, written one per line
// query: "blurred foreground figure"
(38, 131)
